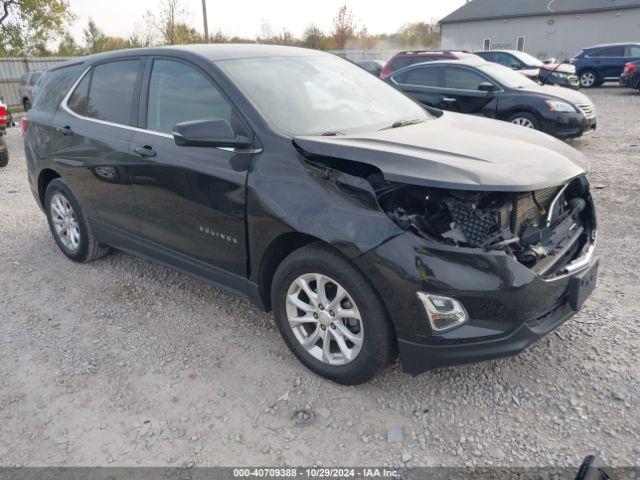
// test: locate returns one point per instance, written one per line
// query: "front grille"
(526, 208)
(588, 109)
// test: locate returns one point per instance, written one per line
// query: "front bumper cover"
(509, 306)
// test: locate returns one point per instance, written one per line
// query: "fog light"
(444, 313)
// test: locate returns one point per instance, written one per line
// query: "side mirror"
(208, 133)
(487, 87)
(515, 66)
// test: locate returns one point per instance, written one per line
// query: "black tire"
(26, 103)
(528, 116)
(379, 347)
(586, 77)
(89, 249)
(4, 153)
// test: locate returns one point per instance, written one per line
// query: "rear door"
(191, 199)
(92, 135)
(423, 84)
(609, 61)
(461, 84)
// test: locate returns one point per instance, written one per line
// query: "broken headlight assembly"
(544, 229)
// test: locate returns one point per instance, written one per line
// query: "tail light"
(24, 124)
(629, 67)
(3, 116)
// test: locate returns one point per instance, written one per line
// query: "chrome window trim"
(64, 106)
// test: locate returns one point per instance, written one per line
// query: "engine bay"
(543, 230)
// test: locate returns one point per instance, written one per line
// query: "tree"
(170, 21)
(94, 38)
(27, 25)
(68, 46)
(314, 37)
(344, 28)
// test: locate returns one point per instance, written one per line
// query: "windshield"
(316, 95)
(506, 76)
(528, 59)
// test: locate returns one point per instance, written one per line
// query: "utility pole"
(204, 16)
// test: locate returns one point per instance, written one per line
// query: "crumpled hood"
(458, 151)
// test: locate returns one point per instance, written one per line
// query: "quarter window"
(78, 100)
(112, 92)
(462, 79)
(178, 93)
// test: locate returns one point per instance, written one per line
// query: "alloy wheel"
(324, 319)
(587, 79)
(65, 222)
(523, 122)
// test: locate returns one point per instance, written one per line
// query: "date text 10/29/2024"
(315, 472)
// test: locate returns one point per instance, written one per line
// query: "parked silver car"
(27, 89)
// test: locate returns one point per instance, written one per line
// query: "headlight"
(444, 313)
(557, 106)
(560, 75)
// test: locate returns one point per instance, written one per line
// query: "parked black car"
(296, 179)
(374, 67)
(561, 74)
(491, 90)
(631, 75)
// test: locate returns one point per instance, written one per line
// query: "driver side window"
(179, 93)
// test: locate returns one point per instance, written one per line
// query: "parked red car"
(4, 122)
(411, 57)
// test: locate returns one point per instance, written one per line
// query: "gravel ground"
(123, 362)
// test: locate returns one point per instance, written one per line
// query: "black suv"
(296, 179)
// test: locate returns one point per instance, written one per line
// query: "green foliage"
(27, 25)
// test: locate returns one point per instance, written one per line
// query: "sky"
(245, 17)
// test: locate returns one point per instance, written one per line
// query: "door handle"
(66, 130)
(145, 151)
(448, 100)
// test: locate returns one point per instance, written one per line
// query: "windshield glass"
(506, 76)
(313, 95)
(528, 59)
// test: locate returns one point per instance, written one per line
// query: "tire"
(589, 79)
(370, 326)
(78, 243)
(4, 154)
(26, 103)
(525, 119)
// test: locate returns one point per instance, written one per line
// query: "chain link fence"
(12, 69)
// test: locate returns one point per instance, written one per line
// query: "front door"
(191, 199)
(462, 94)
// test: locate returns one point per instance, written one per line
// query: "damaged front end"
(544, 230)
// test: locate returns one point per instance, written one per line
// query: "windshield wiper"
(404, 123)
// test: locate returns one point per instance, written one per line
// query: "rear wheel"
(525, 119)
(68, 224)
(331, 317)
(4, 152)
(589, 79)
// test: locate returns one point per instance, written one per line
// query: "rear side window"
(633, 51)
(178, 93)
(112, 91)
(462, 78)
(425, 77)
(617, 51)
(55, 86)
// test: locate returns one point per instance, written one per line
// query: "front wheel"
(331, 317)
(68, 224)
(525, 119)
